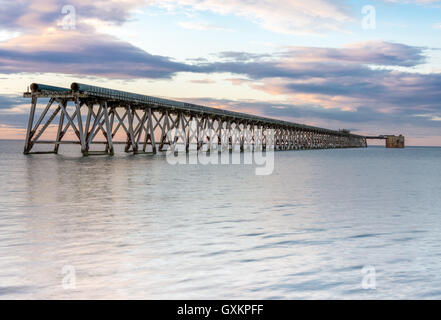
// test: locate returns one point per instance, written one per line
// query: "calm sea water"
(138, 227)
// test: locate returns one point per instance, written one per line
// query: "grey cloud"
(271, 69)
(416, 92)
(17, 119)
(338, 75)
(7, 117)
(94, 55)
(371, 52)
(10, 12)
(32, 15)
(10, 101)
(241, 56)
(363, 115)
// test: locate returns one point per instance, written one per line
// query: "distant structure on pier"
(148, 124)
(396, 142)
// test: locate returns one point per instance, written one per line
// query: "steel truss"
(149, 128)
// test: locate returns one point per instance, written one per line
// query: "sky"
(373, 67)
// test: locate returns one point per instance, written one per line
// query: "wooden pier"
(150, 125)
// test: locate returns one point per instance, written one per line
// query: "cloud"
(81, 51)
(392, 88)
(364, 118)
(202, 26)
(203, 81)
(36, 15)
(371, 52)
(308, 62)
(343, 79)
(282, 16)
(10, 13)
(13, 111)
(73, 52)
(8, 102)
(330, 78)
(414, 1)
(242, 56)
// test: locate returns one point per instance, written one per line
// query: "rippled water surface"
(138, 227)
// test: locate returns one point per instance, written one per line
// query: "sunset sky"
(319, 62)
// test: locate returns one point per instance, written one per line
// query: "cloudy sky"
(370, 66)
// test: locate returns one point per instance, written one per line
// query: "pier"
(149, 125)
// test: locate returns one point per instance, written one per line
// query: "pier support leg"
(80, 127)
(60, 129)
(108, 130)
(30, 125)
(152, 132)
(131, 136)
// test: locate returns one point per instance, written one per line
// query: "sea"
(324, 224)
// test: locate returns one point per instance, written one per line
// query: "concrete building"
(395, 141)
